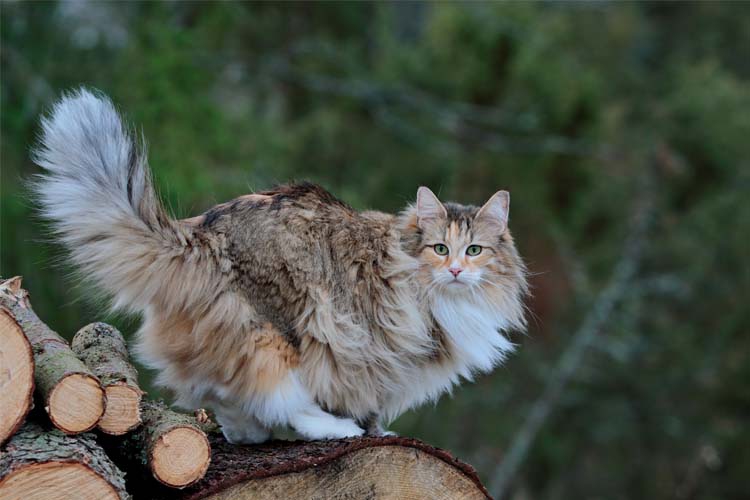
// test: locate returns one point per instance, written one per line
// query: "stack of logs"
(52, 394)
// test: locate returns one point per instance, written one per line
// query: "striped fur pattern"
(284, 307)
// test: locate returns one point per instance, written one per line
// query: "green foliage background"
(567, 105)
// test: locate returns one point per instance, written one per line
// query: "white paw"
(346, 427)
(325, 426)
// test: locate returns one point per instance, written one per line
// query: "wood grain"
(16, 375)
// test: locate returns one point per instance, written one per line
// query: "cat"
(283, 307)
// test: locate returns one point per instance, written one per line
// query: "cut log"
(16, 375)
(48, 465)
(382, 467)
(172, 444)
(102, 348)
(178, 452)
(72, 395)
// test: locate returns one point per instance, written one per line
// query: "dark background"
(622, 131)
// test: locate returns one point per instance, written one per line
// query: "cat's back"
(300, 209)
(285, 240)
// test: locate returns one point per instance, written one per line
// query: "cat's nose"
(455, 271)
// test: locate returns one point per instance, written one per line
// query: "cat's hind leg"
(261, 381)
(291, 404)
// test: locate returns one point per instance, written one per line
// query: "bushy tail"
(98, 193)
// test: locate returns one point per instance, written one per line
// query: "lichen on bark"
(34, 444)
(103, 349)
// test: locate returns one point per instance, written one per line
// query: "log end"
(123, 411)
(180, 457)
(76, 403)
(16, 375)
(56, 481)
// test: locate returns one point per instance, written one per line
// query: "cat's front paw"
(344, 428)
(321, 425)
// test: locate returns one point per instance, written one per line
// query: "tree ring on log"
(16, 375)
(180, 456)
(123, 411)
(55, 481)
(76, 403)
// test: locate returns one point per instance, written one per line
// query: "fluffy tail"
(98, 193)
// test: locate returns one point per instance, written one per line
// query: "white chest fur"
(475, 345)
(473, 330)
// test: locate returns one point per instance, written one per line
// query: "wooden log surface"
(103, 349)
(39, 464)
(372, 468)
(71, 394)
(172, 446)
(16, 375)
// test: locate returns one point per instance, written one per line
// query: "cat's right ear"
(429, 207)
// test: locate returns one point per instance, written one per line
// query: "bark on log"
(72, 395)
(49, 465)
(16, 373)
(382, 467)
(173, 445)
(102, 348)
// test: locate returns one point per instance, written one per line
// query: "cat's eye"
(474, 250)
(440, 249)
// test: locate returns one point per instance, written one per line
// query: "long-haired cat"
(284, 307)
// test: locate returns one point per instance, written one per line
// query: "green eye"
(474, 250)
(441, 249)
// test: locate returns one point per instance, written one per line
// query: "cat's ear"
(429, 207)
(496, 210)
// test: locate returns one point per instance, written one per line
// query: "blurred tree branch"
(460, 120)
(622, 277)
(577, 273)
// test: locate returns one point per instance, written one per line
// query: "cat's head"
(464, 249)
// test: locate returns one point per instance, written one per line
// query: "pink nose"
(455, 271)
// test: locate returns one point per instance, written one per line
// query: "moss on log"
(39, 464)
(103, 349)
(72, 395)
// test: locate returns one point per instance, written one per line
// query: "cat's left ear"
(429, 208)
(496, 210)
